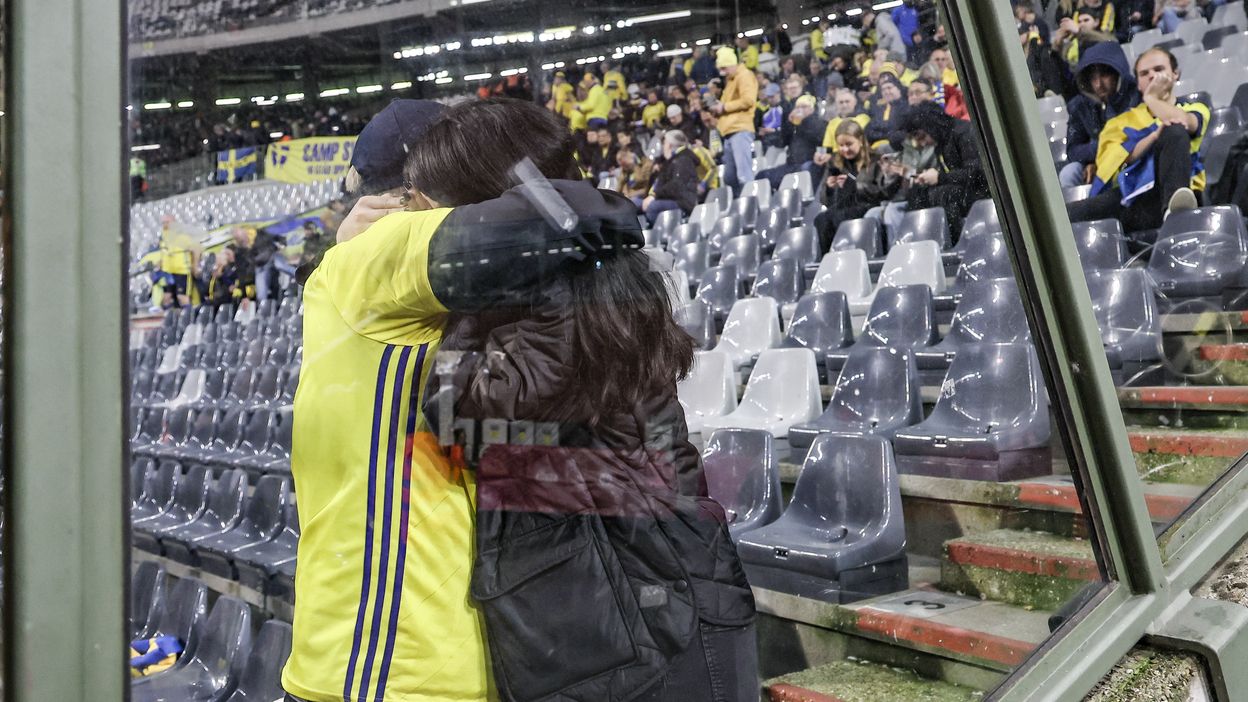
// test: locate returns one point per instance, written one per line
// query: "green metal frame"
(1151, 598)
(64, 339)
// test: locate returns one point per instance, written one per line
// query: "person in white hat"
(736, 118)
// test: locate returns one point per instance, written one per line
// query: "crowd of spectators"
(166, 19)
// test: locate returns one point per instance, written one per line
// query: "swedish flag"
(236, 165)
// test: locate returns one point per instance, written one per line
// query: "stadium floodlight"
(398, 54)
(186, 103)
(513, 71)
(547, 66)
(224, 102)
(401, 85)
(294, 97)
(453, 45)
(276, 135)
(364, 89)
(852, 12)
(805, 22)
(673, 52)
(675, 14)
(478, 76)
(444, 80)
(164, 105)
(886, 5)
(471, 2)
(702, 42)
(589, 29)
(129, 108)
(145, 147)
(618, 55)
(754, 32)
(335, 92)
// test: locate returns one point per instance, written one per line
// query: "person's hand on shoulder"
(366, 212)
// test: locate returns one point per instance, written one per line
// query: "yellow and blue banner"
(309, 160)
(235, 165)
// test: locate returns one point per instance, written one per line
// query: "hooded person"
(1106, 90)
(383, 607)
(957, 178)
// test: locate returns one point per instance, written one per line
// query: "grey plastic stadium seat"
(929, 224)
(991, 421)
(710, 389)
(198, 446)
(742, 475)
(844, 271)
(693, 259)
(150, 430)
(703, 217)
(254, 441)
(178, 422)
(842, 537)
(266, 387)
(181, 610)
(159, 485)
(166, 387)
(724, 229)
(1224, 120)
(721, 197)
(277, 456)
(1191, 30)
(190, 497)
(697, 319)
(915, 263)
(1101, 243)
(261, 521)
(1126, 312)
(238, 392)
(261, 677)
(989, 311)
(1199, 252)
(222, 511)
(744, 252)
(253, 356)
(781, 279)
(290, 381)
(1216, 151)
(258, 564)
(1077, 193)
(753, 326)
(1230, 14)
(798, 243)
(820, 323)
(213, 664)
(719, 288)
(147, 588)
(877, 392)
(790, 202)
(981, 218)
(748, 209)
(984, 257)
(865, 234)
(771, 225)
(801, 182)
(783, 390)
(139, 469)
(901, 317)
(760, 190)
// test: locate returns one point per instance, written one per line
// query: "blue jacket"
(1087, 116)
(906, 17)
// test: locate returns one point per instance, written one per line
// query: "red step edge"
(1212, 395)
(1020, 561)
(936, 636)
(783, 692)
(1161, 507)
(1224, 352)
(1193, 444)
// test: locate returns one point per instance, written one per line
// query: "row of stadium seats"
(151, 20)
(221, 660)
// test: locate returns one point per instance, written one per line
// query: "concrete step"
(1186, 457)
(971, 640)
(1028, 569)
(863, 681)
(1186, 406)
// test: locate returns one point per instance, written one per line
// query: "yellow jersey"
(829, 134)
(597, 104)
(653, 113)
(382, 605)
(565, 99)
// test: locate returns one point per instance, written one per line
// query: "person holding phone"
(856, 181)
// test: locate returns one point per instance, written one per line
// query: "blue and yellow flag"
(236, 165)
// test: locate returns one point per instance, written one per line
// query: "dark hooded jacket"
(597, 549)
(1087, 116)
(957, 156)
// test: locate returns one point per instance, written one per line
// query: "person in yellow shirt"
(597, 104)
(654, 110)
(846, 106)
(612, 74)
(179, 257)
(747, 53)
(564, 95)
(736, 118)
(816, 39)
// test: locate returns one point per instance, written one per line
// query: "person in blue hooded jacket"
(1106, 89)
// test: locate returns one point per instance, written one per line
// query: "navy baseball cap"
(381, 149)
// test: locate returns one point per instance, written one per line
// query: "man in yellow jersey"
(597, 105)
(565, 96)
(179, 257)
(382, 605)
(736, 119)
(611, 74)
(816, 39)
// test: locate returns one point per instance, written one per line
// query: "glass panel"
(781, 352)
(1164, 269)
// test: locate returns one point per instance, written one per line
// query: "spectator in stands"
(244, 264)
(957, 179)
(600, 336)
(1168, 14)
(736, 119)
(602, 157)
(906, 18)
(1048, 74)
(846, 105)
(1074, 36)
(856, 182)
(634, 172)
(747, 53)
(920, 90)
(315, 243)
(564, 95)
(807, 136)
(693, 128)
(1106, 89)
(889, 113)
(817, 47)
(653, 112)
(222, 283)
(1133, 17)
(1148, 157)
(769, 119)
(596, 107)
(703, 66)
(878, 30)
(675, 182)
(269, 261)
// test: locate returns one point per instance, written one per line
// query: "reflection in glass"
(865, 395)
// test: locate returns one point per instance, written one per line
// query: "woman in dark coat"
(603, 570)
(857, 181)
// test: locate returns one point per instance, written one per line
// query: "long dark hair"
(627, 345)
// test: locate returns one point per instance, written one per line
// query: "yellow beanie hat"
(726, 56)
